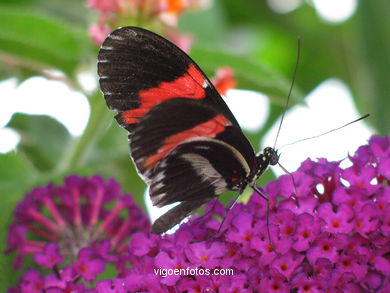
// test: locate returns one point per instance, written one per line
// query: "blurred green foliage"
(257, 43)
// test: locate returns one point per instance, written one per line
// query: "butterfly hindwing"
(176, 214)
(139, 69)
(199, 169)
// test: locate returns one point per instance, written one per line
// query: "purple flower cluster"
(330, 232)
(74, 230)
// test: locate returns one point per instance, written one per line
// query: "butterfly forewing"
(176, 214)
(139, 69)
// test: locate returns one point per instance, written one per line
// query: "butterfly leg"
(223, 220)
(292, 177)
(259, 192)
(207, 214)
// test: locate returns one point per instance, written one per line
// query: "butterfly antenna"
(327, 132)
(291, 88)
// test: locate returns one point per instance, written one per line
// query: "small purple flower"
(287, 263)
(238, 283)
(349, 195)
(285, 220)
(381, 261)
(205, 254)
(354, 245)
(372, 281)
(242, 230)
(88, 265)
(384, 168)
(32, 281)
(283, 188)
(262, 244)
(361, 177)
(274, 282)
(352, 264)
(49, 257)
(144, 244)
(379, 146)
(339, 221)
(323, 268)
(64, 280)
(172, 262)
(144, 283)
(308, 228)
(385, 227)
(323, 247)
(52, 282)
(113, 286)
(303, 283)
(300, 205)
(366, 219)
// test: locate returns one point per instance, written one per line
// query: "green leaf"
(210, 18)
(35, 41)
(370, 72)
(15, 174)
(112, 144)
(44, 141)
(8, 277)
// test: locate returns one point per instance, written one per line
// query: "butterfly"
(184, 141)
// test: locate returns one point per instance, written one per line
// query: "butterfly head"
(269, 156)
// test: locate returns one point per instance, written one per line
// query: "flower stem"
(98, 121)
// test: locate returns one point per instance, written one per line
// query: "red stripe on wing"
(189, 85)
(206, 129)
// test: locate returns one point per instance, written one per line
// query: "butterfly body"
(184, 140)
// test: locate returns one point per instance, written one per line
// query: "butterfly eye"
(274, 157)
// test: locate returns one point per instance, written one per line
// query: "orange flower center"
(288, 231)
(336, 224)
(247, 237)
(284, 267)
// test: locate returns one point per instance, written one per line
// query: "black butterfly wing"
(193, 173)
(139, 69)
(177, 121)
(197, 169)
(175, 215)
